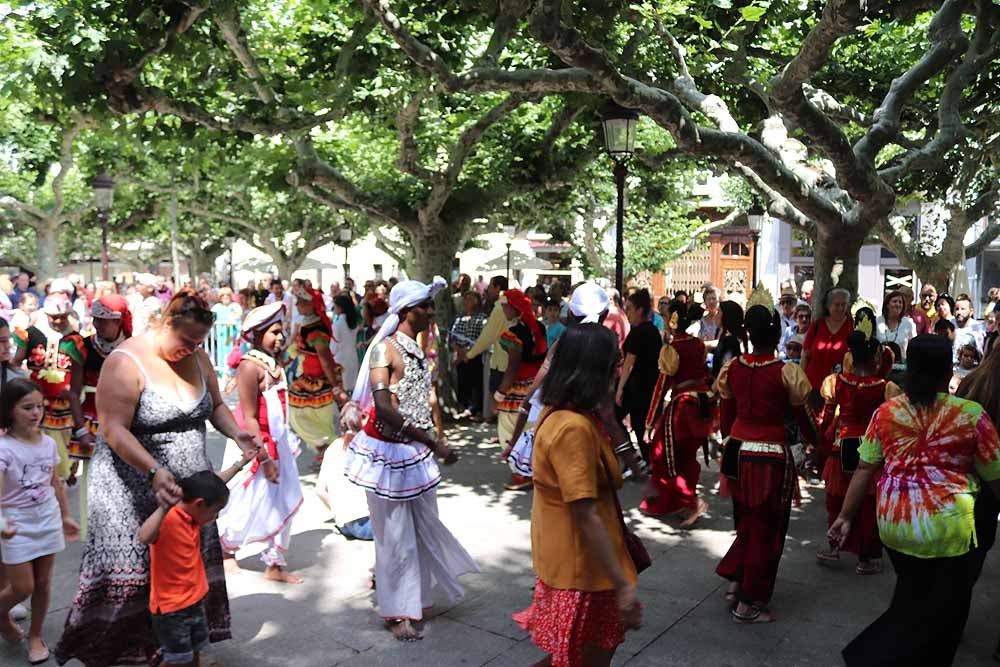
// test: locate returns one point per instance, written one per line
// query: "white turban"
(262, 318)
(61, 285)
(405, 294)
(589, 301)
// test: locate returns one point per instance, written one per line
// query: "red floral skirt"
(562, 621)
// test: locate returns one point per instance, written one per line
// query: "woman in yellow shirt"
(585, 596)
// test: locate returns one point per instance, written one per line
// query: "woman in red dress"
(851, 399)
(757, 390)
(678, 428)
(826, 341)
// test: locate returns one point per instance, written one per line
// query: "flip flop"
(40, 656)
(828, 556)
(870, 567)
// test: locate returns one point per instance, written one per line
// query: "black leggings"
(925, 620)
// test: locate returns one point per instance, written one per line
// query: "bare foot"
(695, 514)
(230, 565)
(275, 573)
(403, 630)
(10, 630)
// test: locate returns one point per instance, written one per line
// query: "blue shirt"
(658, 322)
(553, 332)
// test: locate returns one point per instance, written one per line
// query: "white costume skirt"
(414, 552)
(345, 501)
(519, 459)
(391, 470)
(259, 510)
(39, 532)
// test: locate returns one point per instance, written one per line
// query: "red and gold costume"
(757, 392)
(681, 425)
(49, 360)
(851, 400)
(311, 395)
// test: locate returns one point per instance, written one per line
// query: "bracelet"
(406, 423)
(523, 410)
(380, 386)
(80, 432)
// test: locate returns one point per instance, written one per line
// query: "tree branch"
(409, 152)
(948, 41)
(229, 24)
(826, 103)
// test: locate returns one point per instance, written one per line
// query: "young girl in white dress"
(36, 520)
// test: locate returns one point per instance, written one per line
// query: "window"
(736, 250)
(802, 245)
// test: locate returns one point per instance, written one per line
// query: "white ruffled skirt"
(391, 470)
(519, 459)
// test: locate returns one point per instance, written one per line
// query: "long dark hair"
(764, 326)
(928, 365)
(582, 368)
(13, 392)
(350, 310)
(732, 321)
(687, 313)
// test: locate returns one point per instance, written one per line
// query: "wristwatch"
(152, 473)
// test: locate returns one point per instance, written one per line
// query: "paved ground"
(330, 619)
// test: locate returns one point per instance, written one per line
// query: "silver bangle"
(625, 447)
(80, 432)
(523, 410)
(403, 427)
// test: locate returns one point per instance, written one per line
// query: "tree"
(829, 166)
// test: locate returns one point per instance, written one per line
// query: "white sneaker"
(19, 612)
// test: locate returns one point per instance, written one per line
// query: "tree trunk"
(47, 244)
(836, 256)
(433, 255)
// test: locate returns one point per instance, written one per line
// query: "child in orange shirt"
(178, 583)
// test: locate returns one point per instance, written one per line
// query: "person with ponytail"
(678, 427)
(757, 391)
(732, 337)
(319, 384)
(851, 398)
(525, 344)
(930, 454)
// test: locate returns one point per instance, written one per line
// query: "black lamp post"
(756, 217)
(345, 240)
(104, 197)
(509, 230)
(619, 141)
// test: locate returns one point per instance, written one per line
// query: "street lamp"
(509, 230)
(104, 196)
(345, 240)
(756, 217)
(619, 126)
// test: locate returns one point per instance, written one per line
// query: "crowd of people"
(109, 388)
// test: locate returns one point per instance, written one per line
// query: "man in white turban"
(392, 459)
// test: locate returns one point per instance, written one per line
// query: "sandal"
(873, 566)
(831, 556)
(757, 615)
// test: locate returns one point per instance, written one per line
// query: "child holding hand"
(36, 515)
(178, 583)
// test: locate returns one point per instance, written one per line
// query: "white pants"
(274, 555)
(413, 552)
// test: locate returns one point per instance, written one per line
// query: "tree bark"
(47, 244)
(836, 257)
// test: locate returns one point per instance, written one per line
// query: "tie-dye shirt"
(934, 460)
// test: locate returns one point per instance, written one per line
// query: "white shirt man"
(968, 330)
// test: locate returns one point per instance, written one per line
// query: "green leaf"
(753, 13)
(723, 4)
(702, 21)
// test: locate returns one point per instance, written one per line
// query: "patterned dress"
(311, 396)
(109, 622)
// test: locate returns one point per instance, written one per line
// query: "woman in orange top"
(585, 595)
(851, 400)
(757, 391)
(678, 428)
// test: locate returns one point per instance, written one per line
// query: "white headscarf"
(262, 317)
(589, 301)
(404, 295)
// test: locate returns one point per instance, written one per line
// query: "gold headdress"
(865, 326)
(761, 296)
(862, 303)
(674, 319)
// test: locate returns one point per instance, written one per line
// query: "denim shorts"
(181, 633)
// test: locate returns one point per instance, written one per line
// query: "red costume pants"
(676, 489)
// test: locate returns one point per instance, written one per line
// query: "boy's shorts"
(181, 633)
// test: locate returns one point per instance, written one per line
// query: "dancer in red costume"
(678, 427)
(757, 391)
(851, 400)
